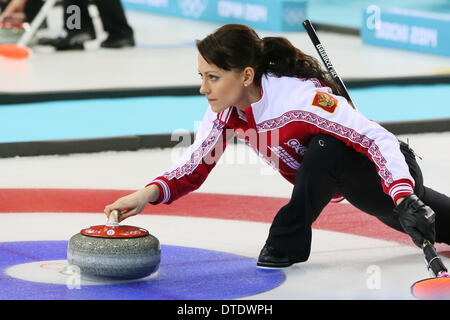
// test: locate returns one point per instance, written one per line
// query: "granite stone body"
(119, 258)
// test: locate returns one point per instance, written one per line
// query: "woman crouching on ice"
(266, 88)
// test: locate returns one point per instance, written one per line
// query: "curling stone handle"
(113, 219)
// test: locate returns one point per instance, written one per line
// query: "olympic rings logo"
(193, 8)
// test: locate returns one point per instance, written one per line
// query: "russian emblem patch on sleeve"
(325, 101)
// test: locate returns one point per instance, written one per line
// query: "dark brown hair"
(236, 46)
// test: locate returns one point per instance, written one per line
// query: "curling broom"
(20, 50)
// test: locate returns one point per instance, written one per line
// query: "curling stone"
(114, 251)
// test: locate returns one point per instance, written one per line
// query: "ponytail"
(281, 58)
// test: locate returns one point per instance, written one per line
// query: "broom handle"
(327, 61)
(433, 260)
(36, 23)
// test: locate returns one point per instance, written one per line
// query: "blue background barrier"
(275, 15)
(83, 119)
(407, 29)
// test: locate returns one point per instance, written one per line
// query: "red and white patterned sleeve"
(191, 171)
(333, 115)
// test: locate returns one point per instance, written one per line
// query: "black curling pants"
(329, 166)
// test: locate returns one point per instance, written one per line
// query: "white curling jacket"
(279, 127)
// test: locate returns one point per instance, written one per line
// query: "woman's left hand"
(133, 203)
(417, 219)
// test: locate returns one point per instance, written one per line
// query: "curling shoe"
(271, 258)
(117, 43)
(69, 40)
